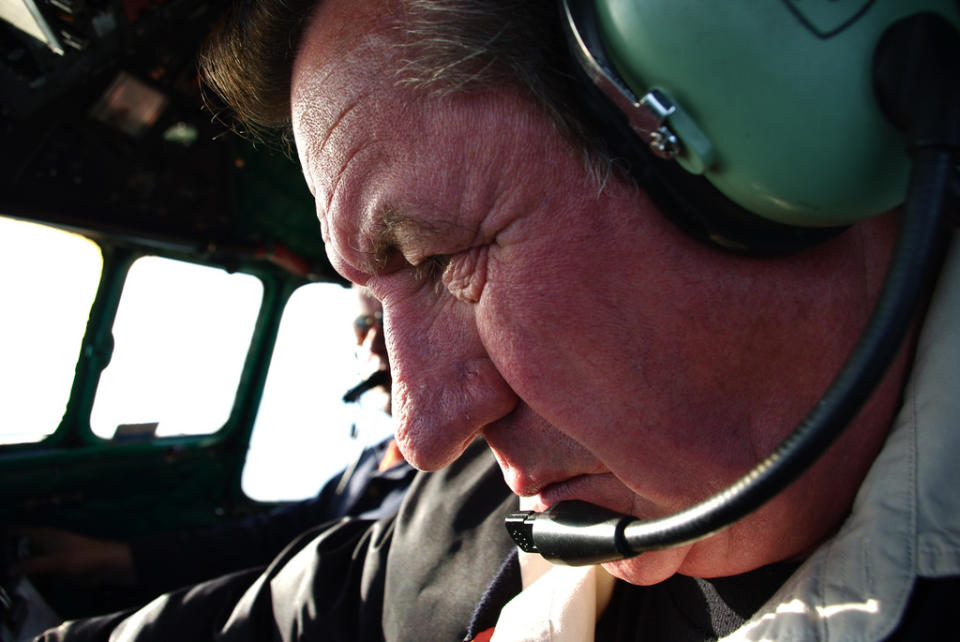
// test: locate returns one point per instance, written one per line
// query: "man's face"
(602, 355)
(368, 326)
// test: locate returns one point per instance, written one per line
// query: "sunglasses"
(366, 322)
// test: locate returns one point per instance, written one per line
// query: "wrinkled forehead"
(344, 44)
(345, 51)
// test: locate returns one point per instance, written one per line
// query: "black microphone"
(378, 378)
(573, 532)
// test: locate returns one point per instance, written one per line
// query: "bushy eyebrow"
(392, 231)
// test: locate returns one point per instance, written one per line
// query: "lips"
(602, 489)
(540, 462)
(521, 482)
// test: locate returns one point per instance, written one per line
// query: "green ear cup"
(775, 101)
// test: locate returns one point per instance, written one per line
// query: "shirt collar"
(905, 520)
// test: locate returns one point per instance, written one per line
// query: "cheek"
(602, 349)
(552, 336)
(516, 320)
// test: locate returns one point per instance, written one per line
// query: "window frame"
(74, 431)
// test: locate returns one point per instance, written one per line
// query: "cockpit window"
(48, 281)
(181, 335)
(303, 421)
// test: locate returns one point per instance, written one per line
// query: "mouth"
(601, 489)
(569, 472)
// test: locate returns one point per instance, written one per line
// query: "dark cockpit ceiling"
(103, 129)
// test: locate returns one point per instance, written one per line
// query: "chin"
(649, 568)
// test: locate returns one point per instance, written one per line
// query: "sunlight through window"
(181, 336)
(48, 281)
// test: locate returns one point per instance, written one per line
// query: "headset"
(765, 128)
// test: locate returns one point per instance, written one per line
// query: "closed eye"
(431, 268)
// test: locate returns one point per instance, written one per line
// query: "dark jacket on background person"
(166, 561)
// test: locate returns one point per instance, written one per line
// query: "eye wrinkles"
(433, 253)
(396, 235)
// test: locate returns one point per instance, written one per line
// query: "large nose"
(446, 388)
